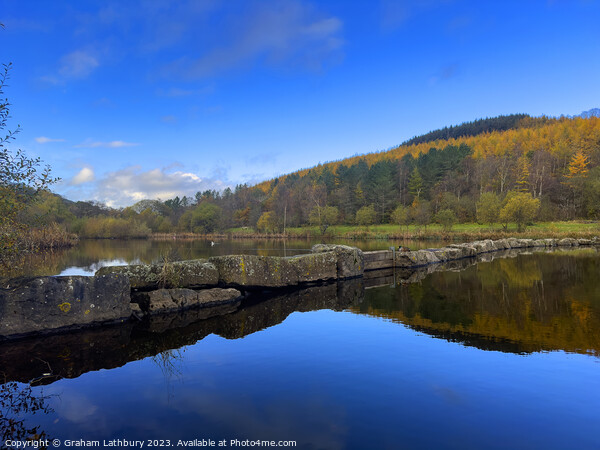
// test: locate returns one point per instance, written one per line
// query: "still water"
(503, 354)
(89, 255)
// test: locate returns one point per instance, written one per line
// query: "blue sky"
(150, 99)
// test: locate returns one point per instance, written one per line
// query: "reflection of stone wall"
(72, 354)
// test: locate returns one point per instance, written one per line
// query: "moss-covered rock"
(42, 304)
(350, 260)
(270, 271)
(179, 274)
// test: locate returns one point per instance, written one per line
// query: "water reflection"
(341, 366)
(19, 404)
(532, 302)
(519, 304)
(89, 255)
(72, 354)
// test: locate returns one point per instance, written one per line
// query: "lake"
(91, 254)
(502, 354)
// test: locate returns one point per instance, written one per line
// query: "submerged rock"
(46, 303)
(178, 274)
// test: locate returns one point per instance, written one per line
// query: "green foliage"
(446, 218)
(420, 213)
(474, 128)
(591, 193)
(21, 182)
(366, 215)
(415, 184)
(519, 207)
(488, 208)
(112, 228)
(323, 217)
(401, 216)
(205, 218)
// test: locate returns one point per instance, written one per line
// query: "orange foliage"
(561, 137)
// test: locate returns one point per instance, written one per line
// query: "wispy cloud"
(85, 175)
(445, 73)
(89, 143)
(168, 119)
(45, 140)
(180, 92)
(280, 33)
(78, 64)
(395, 13)
(75, 65)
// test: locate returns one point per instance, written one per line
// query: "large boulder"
(164, 300)
(253, 271)
(467, 249)
(350, 260)
(39, 304)
(568, 242)
(501, 244)
(179, 274)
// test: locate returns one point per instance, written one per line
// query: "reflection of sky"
(89, 271)
(339, 380)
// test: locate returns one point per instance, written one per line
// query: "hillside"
(552, 161)
(487, 125)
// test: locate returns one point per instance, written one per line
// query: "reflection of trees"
(169, 362)
(17, 402)
(520, 272)
(539, 301)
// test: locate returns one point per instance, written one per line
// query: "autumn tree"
(488, 208)
(523, 165)
(519, 207)
(267, 222)
(420, 213)
(578, 167)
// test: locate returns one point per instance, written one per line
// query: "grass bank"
(460, 232)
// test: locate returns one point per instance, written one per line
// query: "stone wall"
(30, 305)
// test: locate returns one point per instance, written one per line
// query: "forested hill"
(487, 125)
(554, 162)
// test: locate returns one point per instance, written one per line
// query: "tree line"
(545, 169)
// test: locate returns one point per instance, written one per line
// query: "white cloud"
(85, 175)
(127, 186)
(77, 64)
(111, 144)
(45, 140)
